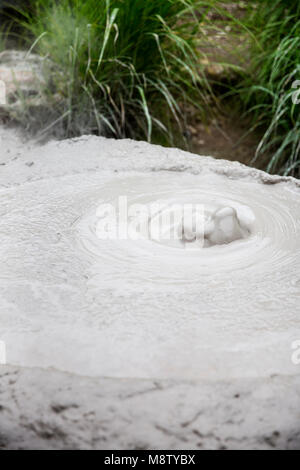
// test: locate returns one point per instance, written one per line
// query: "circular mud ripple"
(270, 212)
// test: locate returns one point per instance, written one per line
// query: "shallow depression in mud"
(89, 299)
(267, 220)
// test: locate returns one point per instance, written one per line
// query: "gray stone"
(23, 75)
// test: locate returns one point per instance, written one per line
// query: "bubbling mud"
(243, 226)
(208, 228)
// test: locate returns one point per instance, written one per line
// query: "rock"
(22, 76)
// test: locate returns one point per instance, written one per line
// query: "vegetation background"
(212, 76)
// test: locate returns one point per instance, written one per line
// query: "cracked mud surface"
(54, 410)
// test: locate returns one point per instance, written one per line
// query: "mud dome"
(188, 345)
(143, 308)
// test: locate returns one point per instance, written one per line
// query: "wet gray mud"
(149, 310)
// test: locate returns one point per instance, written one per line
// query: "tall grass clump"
(118, 67)
(270, 89)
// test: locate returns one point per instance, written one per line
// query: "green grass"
(131, 68)
(119, 68)
(269, 86)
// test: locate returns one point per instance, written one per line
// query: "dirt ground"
(224, 49)
(224, 137)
